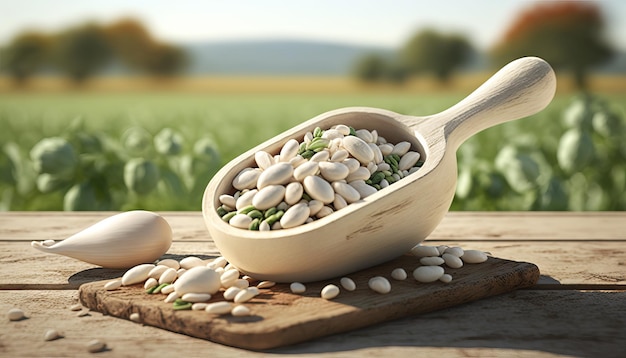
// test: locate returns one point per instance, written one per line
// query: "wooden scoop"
(389, 223)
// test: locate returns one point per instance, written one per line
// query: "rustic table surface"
(578, 307)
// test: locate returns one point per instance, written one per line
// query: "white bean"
(278, 173)
(136, 274)
(157, 271)
(319, 189)
(379, 284)
(363, 189)
(244, 296)
(432, 261)
(196, 297)
(96, 346)
(401, 148)
(329, 292)
(289, 150)
(51, 335)
(270, 196)
(241, 221)
(15, 314)
(452, 261)
(222, 307)
(346, 191)
(293, 193)
(424, 251)
(358, 148)
(229, 277)
(168, 276)
(408, 160)
(320, 156)
(294, 216)
(113, 285)
(474, 256)
(347, 283)
(266, 284)
(297, 287)
(398, 274)
(191, 261)
(199, 306)
(445, 278)
(333, 171)
(263, 159)
(231, 292)
(246, 179)
(456, 251)
(240, 311)
(427, 274)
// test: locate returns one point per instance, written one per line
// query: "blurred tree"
(567, 34)
(25, 55)
(437, 53)
(370, 68)
(82, 51)
(165, 60)
(135, 46)
(131, 42)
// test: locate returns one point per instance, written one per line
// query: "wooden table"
(578, 308)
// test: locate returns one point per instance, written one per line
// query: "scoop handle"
(521, 88)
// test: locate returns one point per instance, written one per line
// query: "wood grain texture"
(281, 318)
(585, 316)
(577, 263)
(456, 225)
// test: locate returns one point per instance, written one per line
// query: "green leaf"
(141, 176)
(55, 156)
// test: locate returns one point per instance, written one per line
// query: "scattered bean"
(196, 297)
(244, 295)
(221, 307)
(432, 261)
(240, 310)
(424, 251)
(135, 317)
(150, 283)
(398, 274)
(456, 251)
(199, 306)
(113, 285)
(379, 284)
(474, 257)
(137, 274)
(329, 292)
(445, 278)
(15, 314)
(231, 292)
(266, 284)
(452, 261)
(427, 274)
(96, 346)
(347, 283)
(297, 287)
(51, 335)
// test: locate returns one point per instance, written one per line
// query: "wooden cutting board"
(280, 317)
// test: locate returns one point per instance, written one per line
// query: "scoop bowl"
(389, 223)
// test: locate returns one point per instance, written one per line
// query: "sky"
(386, 23)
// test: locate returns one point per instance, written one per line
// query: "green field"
(530, 178)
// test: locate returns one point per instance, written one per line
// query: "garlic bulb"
(120, 241)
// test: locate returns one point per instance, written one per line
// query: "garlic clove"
(120, 241)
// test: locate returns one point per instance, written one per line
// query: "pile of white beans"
(309, 180)
(194, 283)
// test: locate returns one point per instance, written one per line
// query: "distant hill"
(276, 57)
